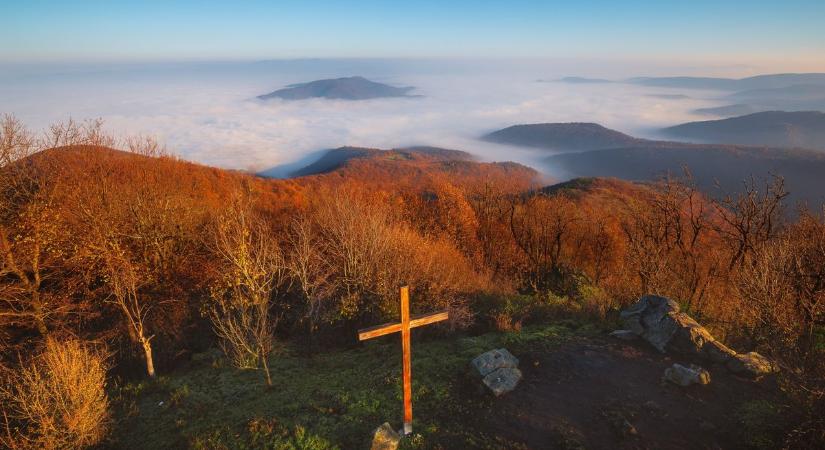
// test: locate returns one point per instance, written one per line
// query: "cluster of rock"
(659, 321)
(498, 370)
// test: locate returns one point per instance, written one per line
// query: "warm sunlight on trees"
(252, 270)
(161, 259)
(58, 400)
(34, 248)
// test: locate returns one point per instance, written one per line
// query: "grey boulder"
(651, 318)
(498, 370)
(503, 380)
(717, 352)
(493, 360)
(751, 365)
(686, 376)
(659, 321)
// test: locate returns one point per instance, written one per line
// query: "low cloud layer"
(207, 112)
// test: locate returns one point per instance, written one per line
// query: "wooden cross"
(404, 327)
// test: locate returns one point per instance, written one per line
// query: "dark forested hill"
(411, 167)
(350, 88)
(596, 151)
(717, 169)
(771, 128)
(562, 136)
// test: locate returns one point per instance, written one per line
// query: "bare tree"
(685, 215)
(89, 132)
(542, 227)
(648, 245)
(358, 244)
(309, 268)
(32, 241)
(138, 234)
(252, 270)
(145, 145)
(751, 218)
(16, 142)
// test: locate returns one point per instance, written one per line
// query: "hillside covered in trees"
(136, 289)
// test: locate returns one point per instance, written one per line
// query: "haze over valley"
(209, 112)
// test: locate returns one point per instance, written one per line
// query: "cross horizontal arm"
(389, 328)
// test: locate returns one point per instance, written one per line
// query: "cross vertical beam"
(406, 358)
(407, 323)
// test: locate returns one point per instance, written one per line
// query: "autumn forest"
(120, 261)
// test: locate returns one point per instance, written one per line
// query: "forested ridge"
(120, 262)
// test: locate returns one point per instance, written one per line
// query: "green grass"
(329, 400)
(762, 423)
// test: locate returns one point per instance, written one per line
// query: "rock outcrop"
(625, 335)
(686, 376)
(659, 321)
(385, 438)
(751, 365)
(499, 370)
(652, 318)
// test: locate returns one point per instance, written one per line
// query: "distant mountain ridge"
(573, 136)
(349, 88)
(782, 91)
(805, 129)
(585, 80)
(771, 81)
(794, 91)
(716, 169)
(737, 109)
(626, 157)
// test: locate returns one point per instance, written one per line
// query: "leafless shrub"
(357, 240)
(369, 252)
(145, 145)
(16, 141)
(58, 400)
(71, 132)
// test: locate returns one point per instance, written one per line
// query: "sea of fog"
(207, 112)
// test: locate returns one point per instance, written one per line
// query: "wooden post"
(406, 358)
(407, 323)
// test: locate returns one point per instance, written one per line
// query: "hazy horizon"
(188, 72)
(207, 112)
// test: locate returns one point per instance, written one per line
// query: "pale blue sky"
(716, 31)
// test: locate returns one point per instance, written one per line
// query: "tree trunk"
(266, 368)
(147, 350)
(37, 308)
